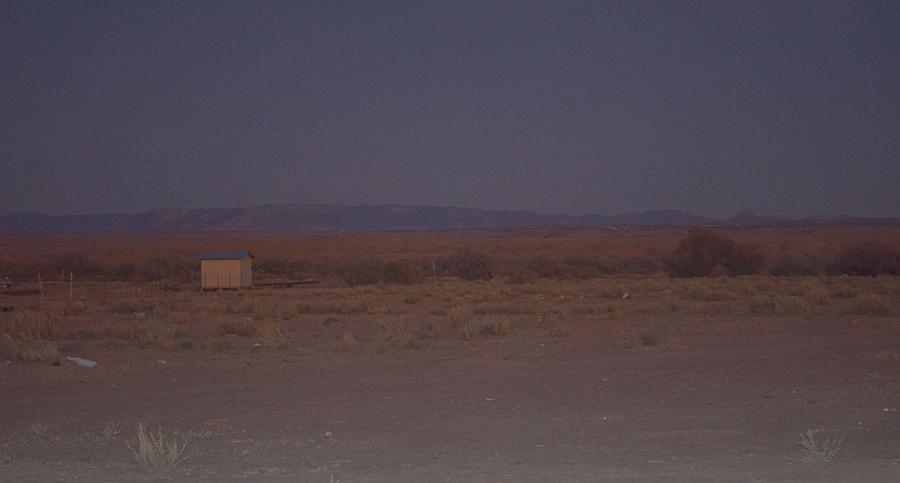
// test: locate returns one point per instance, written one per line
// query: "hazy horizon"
(553, 107)
(746, 211)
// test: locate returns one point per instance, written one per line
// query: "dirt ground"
(622, 379)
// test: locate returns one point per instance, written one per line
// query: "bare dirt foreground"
(679, 381)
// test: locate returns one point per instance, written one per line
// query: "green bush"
(522, 276)
(865, 258)
(793, 266)
(403, 272)
(640, 265)
(368, 271)
(374, 270)
(163, 268)
(704, 253)
(468, 265)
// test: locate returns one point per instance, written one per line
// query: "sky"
(788, 108)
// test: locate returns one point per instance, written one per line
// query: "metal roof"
(224, 255)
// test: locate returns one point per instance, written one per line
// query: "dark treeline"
(701, 253)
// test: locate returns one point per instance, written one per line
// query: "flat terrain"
(613, 379)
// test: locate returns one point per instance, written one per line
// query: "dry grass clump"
(76, 307)
(30, 337)
(646, 339)
(888, 287)
(871, 304)
(485, 326)
(177, 317)
(272, 335)
(33, 325)
(818, 295)
(393, 334)
(814, 451)
(844, 291)
(165, 306)
(706, 292)
(266, 308)
(557, 331)
(783, 305)
(649, 339)
(346, 308)
(504, 310)
(607, 291)
(459, 315)
(347, 339)
(612, 312)
(586, 310)
(240, 328)
(156, 453)
(142, 334)
(220, 344)
(131, 307)
(28, 350)
(521, 276)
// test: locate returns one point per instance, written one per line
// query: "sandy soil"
(724, 399)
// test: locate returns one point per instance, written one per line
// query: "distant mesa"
(338, 218)
(751, 216)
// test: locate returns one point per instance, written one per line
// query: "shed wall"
(246, 272)
(216, 274)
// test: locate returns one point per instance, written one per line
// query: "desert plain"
(609, 371)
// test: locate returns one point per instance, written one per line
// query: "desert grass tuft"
(705, 291)
(394, 334)
(143, 334)
(503, 310)
(220, 344)
(871, 304)
(272, 335)
(649, 339)
(33, 325)
(822, 451)
(30, 337)
(485, 326)
(76, 307)
(783, 305)
(156, 453)
(177, 317)
(557, 331)
(347, 340)
(131, 307)
(240, 328)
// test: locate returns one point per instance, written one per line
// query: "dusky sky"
(788, 107)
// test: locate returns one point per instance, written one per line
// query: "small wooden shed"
(226, 270)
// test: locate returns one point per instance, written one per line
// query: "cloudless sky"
(787, 107)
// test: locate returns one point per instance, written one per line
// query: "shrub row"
(701, 253)
(83, 267)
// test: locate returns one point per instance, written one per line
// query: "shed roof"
(224, 255)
